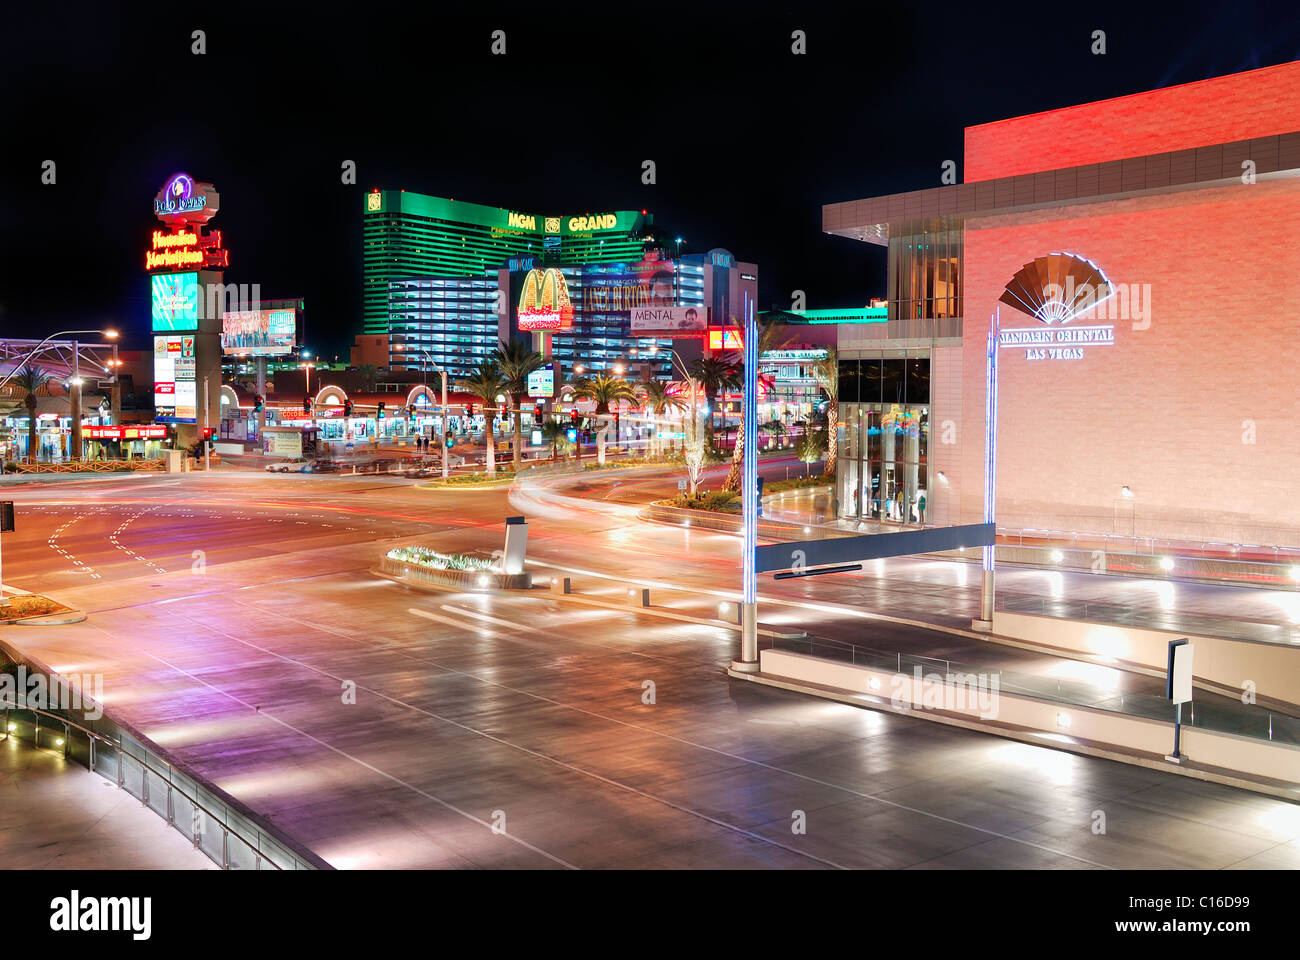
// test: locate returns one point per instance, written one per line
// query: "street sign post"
(1178, 687)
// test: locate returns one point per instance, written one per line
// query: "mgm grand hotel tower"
(442, 280)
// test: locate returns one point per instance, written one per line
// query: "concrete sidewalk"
(57, 815)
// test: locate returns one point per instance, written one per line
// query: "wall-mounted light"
(1124, 491)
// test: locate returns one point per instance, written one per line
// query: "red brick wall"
(1162, 410)
(1242, 106)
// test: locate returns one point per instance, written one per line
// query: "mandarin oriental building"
(1139, 259)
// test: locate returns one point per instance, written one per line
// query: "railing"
(27, 465)
(1239, 721)
(1179, 621)
(229, 839)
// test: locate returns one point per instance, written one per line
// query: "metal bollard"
(567, 586)
(645, 596)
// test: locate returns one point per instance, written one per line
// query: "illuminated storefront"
(1135, 255)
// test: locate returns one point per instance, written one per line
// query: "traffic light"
(306, 404)
(258, 403)
(347, 408)
(469, 410)
(379, 415)
(537, 412)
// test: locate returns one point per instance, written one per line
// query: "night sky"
(749, 140)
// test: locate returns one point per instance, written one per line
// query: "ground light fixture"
(1295, 573)
(1063, 721)
(1057, 556)
(1166, 563)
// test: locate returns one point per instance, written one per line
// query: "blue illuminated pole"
(985, 621)
(748, 661)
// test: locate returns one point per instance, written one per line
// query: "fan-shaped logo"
(1057, 287)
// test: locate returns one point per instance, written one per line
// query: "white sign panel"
(541, 382)
(670, 319)
(1180, 672)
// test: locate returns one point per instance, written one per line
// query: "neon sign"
(184, 250)
(179, 197)
(523, 221)
(603, 221)
(544, 302)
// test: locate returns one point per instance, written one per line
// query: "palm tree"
(517, 360)
(31, 378)
(555, 433)
(771, 336)
(369, 374)
(605, 390)
(826, 372)
(716, 375)
(656, 398)
(486, 383)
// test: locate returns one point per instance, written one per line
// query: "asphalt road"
(231, 612)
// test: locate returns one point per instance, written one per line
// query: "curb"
(49, 620)
(414, 573)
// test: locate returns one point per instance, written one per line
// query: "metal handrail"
(1033, 685)
(93, 736)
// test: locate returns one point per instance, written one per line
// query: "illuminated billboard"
(726, 339)
(678, 321)
(175, 301)
(185, 248)
(541, 382)
(259, 333)
(174, 384)
(624, 287)
(544, 301)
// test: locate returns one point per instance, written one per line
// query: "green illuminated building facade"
(408, 235)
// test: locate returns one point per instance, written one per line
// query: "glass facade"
(884, 404)
(442, 322)
(925, 269)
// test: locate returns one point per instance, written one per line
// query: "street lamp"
(74, 396)
(109, 334)
(443, 420)
(676, 360)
